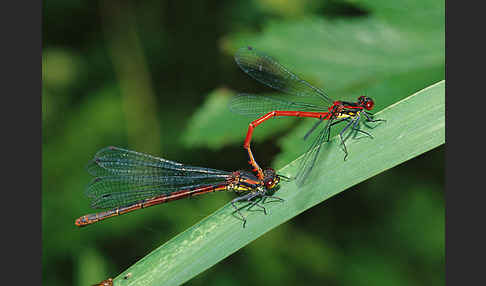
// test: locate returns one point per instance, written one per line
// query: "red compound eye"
(369, 105)
(366, 102)
(269, 183)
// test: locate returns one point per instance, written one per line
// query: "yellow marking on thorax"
(348, 115)
(240, 188)
(236, 187)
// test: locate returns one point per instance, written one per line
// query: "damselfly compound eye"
(269, 183)
(369, 104)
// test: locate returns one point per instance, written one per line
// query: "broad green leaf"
(346, 55)
(414, 126)
(419, 15)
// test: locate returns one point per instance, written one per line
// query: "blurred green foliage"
(136, 75)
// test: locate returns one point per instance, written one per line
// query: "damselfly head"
(270, 178)
(366, 102)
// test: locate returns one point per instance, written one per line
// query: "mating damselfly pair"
(128, 180)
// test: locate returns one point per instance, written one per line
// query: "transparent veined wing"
(258, 105)
(268, 71)
(125, 176)
(118, 161)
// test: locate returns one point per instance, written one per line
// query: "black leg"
(263, 201)
(364, 132)
(248, 197)
(357, 129)
(334, 123)
(272, 197)
(341, 136)
(369, 117)
(340, 120)
(257, 203)
(237, 210)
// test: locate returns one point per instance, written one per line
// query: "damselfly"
(268, 71)
(128, 180)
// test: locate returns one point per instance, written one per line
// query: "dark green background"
(140, 75)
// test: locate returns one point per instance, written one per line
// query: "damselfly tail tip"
(81, 221)
(107, 282)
